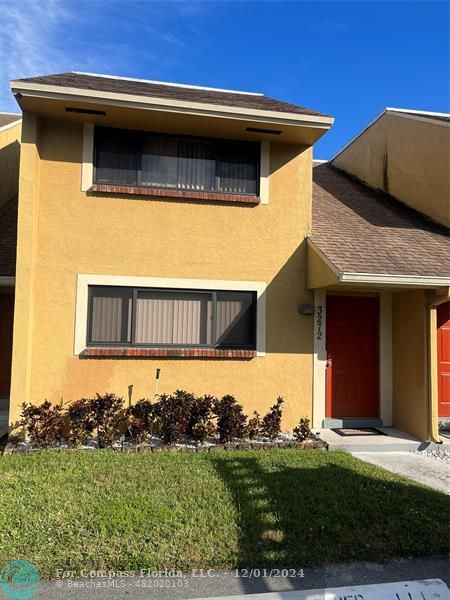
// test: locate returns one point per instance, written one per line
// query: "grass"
(108, 510)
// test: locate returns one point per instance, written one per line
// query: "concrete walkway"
(393, 440)
(420, 468)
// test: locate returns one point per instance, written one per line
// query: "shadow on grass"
(332, 509)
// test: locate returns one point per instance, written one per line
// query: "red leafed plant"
(44, 423)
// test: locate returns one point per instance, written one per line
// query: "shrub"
(271, 423)
(200, 425)
(108, 416)
(174, 412)
(141, 419)
(230, 418)
(303, 430)
(253, 427)
(81, 423)
(44, 423)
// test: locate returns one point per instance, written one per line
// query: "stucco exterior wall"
(9, 163)
(80, 233)
(406, 157)
(410, 371)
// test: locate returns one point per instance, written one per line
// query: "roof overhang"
(295, 127)
(323, 273)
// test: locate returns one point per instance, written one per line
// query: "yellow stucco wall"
(67, 232)
(9, 163)
(319, 274)
(410, 372)
(406, 157)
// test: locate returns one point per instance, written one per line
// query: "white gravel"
(438, 455)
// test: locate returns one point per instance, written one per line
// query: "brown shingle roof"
(362, 230)
(8, 238)
(7, 119)
(171, 92)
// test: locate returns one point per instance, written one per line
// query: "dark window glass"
(234, 318)
(116, 159)
(135, 158)
(196, 165)
(154, 317)
(237, 171)
(159, 162)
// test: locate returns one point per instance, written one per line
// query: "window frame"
(134, 295)
(139, 139)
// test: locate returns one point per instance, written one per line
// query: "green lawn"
(108, 510)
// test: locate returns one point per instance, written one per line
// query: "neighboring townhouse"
(379, 262)
(162, 226)
(10, 132)
(175, 227)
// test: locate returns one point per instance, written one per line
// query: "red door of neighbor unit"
(443, 341)
(352, 337)
(6, 330)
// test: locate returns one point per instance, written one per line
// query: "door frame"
(320, 355)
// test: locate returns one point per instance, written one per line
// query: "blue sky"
(348, 59)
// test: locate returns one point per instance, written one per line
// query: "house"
(173, 227)
(10, 131)
(162, 226)
(379, 262)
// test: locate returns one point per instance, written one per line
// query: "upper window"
(135, 158)
(162, 317)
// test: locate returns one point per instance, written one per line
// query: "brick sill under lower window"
(186, 194)
(124, 352)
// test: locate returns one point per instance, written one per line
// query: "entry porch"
(381, 358)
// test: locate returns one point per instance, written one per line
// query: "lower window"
(171, 318)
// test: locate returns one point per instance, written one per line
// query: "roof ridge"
(418, 112)
(168, 83)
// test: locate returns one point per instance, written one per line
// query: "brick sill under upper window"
(170, 193)
(137, 352)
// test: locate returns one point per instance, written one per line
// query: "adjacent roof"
(140, 87)
(8, 119)
(8, 238)
(362, 230)
(435, 116)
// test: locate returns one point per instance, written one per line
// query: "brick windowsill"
(124, 352)
(186, 194)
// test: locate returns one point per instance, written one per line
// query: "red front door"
(352, 337)
(443, 341)
(6, 330)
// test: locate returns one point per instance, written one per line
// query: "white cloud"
(25, 41)
(52, 36)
